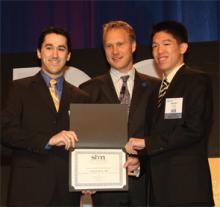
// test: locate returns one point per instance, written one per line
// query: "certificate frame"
(98, 169)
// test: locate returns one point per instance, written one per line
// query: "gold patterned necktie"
(54, 94)
(163, 89)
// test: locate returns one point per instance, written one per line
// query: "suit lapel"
(64, 102)
(175, 82)
(108, 89)
(170, 90)
(41, 90)
(138, 90)
(156, 111)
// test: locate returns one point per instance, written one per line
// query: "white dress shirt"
(117, 81)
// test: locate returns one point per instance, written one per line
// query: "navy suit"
(39, 176)
(178, 147)
(101, 90)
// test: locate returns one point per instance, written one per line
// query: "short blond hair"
(118, 25)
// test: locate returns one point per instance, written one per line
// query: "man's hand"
(134, 144)
(132, 164)
(64, 138)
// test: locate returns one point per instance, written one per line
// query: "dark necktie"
(163, 89)
(124, 93)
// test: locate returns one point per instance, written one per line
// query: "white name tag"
(173, 108)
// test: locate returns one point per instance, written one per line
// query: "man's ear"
(68, 57)
(38, 54)
(133, 46)
(183, 47)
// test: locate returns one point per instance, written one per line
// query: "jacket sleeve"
(13, 133)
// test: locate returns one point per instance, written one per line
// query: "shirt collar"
(170, 76)
(116, 74)
(47, 79)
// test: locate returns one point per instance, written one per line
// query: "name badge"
(173, 108)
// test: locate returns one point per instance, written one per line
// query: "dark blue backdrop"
(22, 21)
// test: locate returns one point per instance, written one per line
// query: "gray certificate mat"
(99, 125)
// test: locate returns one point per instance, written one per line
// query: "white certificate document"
(98, 169)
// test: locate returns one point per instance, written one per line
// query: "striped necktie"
(54, 94)
(163, 89)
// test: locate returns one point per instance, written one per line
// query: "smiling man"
(179, 119)
(53, 53)
(36, 127)
(123, 85)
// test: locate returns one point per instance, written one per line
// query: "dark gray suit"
(101, 90)
(38, 176)
(178, 147)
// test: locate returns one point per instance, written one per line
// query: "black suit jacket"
(178, 147)
(101, 90)
(29, 120)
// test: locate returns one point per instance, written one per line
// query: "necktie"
(53, 93)
(124, 93)
(163, 89)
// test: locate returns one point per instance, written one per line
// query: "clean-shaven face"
(167, 51)
(119, 49)
(54, 54)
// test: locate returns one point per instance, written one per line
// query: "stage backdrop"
(23, 21)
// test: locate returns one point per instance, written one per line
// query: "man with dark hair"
(54, 30)
(36, 127)
(179, 118)
(123, 84)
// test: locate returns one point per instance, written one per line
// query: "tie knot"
(165, 82)
(125, 78)
(53, 82)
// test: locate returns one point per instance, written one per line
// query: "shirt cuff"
(137, 172)
(47, 147)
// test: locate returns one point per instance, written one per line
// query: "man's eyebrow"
(62, 46)
(166, 40)
(48, 44)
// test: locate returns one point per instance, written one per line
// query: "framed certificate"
(98, 169)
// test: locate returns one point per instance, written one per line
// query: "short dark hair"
(176, 29)
(56, 30)
(119, 25)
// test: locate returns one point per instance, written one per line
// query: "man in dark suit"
(179, 120)
(119, 44)
(36, 126)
